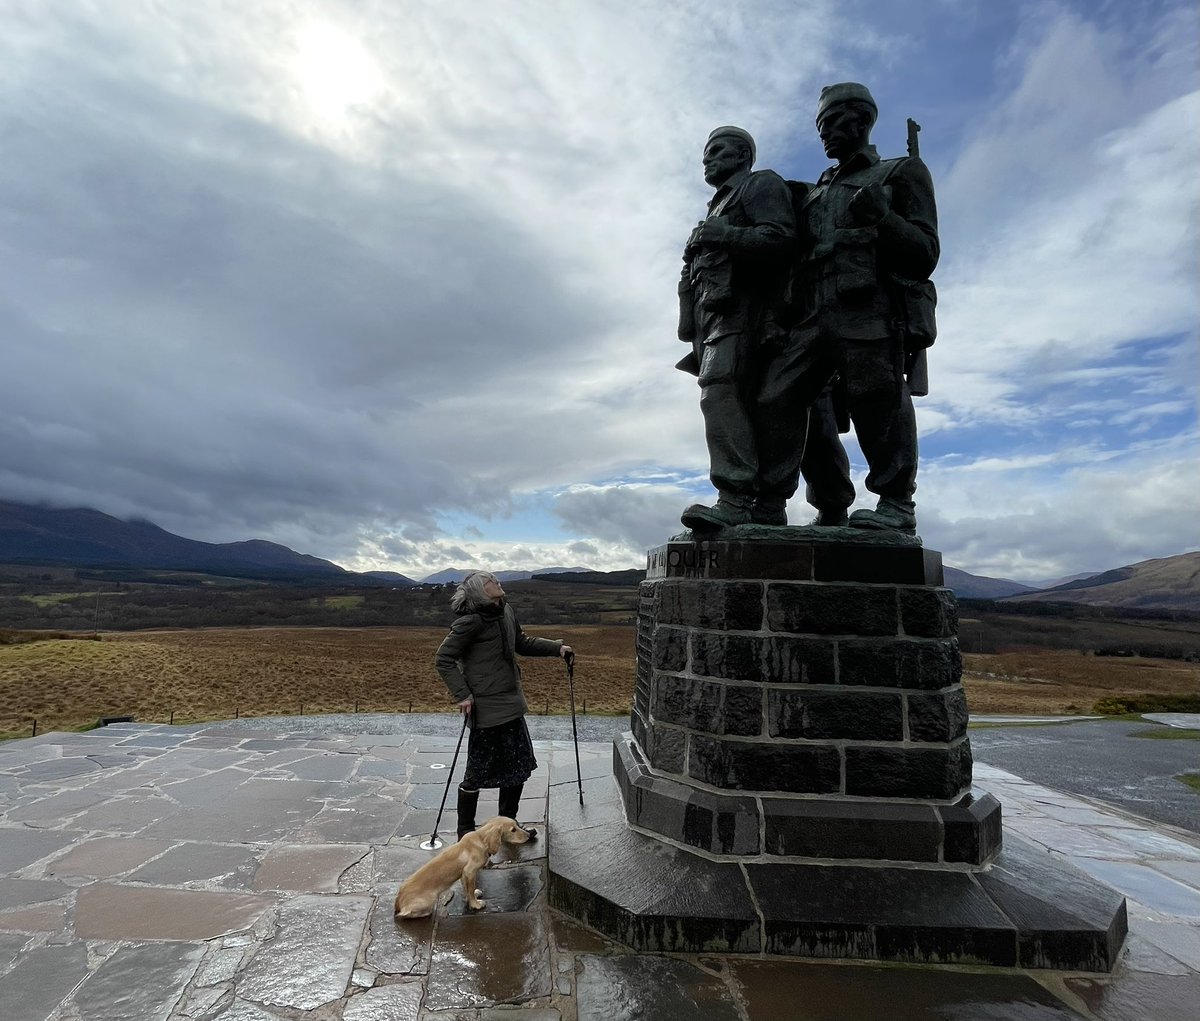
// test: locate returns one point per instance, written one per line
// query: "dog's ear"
(494, 837)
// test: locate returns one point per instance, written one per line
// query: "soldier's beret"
(729, 129)
(843, 92)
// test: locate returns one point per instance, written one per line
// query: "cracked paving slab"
(311, 958)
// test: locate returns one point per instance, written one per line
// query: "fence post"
(172, 719)
(34, 734)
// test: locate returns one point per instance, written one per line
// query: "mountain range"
(84, 537)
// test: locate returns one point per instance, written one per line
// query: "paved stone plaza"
(155, 873)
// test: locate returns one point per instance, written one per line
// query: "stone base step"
(1027, 910)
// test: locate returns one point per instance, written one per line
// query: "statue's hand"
(713, 231)
(868, 205)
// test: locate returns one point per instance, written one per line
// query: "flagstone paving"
(223, 873)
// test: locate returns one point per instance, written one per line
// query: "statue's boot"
(830, 518)
(769, 511)
(725, 513)
(889, 515)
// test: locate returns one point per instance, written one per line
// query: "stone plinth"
(803, 699)
(799, 746)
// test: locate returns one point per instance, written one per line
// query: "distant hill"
(977, 586)
(1055, 582)
(456, 574)
(392, 577)
(1168, 582)
(84, 537)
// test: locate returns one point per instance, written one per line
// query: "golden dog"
(419, 893)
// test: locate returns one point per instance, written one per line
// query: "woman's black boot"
(467, 802)
(510, 800)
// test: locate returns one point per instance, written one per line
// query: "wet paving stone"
(19, 893)
(838, 992)
(645, 988)
(329, 766)
(399, 1002)
(55, 809)
(198, 863)
(106, 856)
(368, 820)
(42, 918)
(127, 815)
(573, 937)
(1139, 997)
(20, 847)
(483, 959)
(1176, 939)
(40, 979)
(310, 960)
(398, 946)
(262, 812)
(1147, 886)
(309, 868)
(419, 823)
(508, 889)
(240, 1010)
(142, 981)
(104, 911)
(11, 944)
(57, 769)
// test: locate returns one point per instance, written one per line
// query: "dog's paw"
(477, 904)
(478, 894)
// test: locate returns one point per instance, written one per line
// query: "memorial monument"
(798, 775)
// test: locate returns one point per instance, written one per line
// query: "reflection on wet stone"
(652, 989)
(486, 959)
(1139, 997)
(310, 960)
(142, 981)
(399, 1002)
(508, 889)
(836, 993)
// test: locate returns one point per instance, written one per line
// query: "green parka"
(477, 660)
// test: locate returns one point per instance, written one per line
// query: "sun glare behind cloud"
(334, 70)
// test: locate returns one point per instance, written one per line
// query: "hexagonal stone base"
(729, 824)
(1028, 910)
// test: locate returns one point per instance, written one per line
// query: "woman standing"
(478, 662)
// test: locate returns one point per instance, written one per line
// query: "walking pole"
(570, 657)
(434, 841)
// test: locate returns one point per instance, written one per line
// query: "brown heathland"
(220, 673)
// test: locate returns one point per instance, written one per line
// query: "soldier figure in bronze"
(736, 267)
(863, 314)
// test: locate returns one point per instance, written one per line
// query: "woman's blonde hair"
(469, 596)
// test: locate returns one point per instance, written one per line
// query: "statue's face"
(722, 156)
(843, 130)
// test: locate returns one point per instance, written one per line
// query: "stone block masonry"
(825, 672)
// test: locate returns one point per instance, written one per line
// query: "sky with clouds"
(393, 282)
